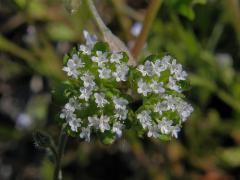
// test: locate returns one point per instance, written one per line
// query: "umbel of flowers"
(160, 82)
(98, 104)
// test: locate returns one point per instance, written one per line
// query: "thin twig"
(61, 145)
(147, 23)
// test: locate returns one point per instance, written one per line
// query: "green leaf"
(187, 11)
(107, 137)
(65, 59)
(151, 58)
(73, 51)
(101, 46)
(70, 132)
(184, 7)
(185, 85)
(165, 137)
(58, 94)
(125, 57)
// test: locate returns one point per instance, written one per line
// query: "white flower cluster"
(162, 124)
(96, 106)
(109, 63)
(155, 119)
(113, 122)
(154, 70)
(105, 112)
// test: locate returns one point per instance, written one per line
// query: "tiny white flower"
(172, 84)
(175, 130)
(161, 65)
(184, 109)
(93, 121)
(103, 123)
(100, 99)
(72, 66)
(158, 68)
(90, 39)
(77, 61)
(88, 80)
(153, 132)
(166, 61)
(181, 75)
(69, 108)
(74, 124)
(67, 115)
(85, 133)
(141, 68)
(101, 58)
(160, 107)
(74, 103)
(146, 69)
(149, 68)
(171, 102)
(71, 70)
(121, 114)
(177, 71)
(86, 92)
(70, 105)
(143, 88)
(119, 102)
(121, 72)
(115, 57)
(157, 87)
(165, 125)
(85, 49)
(145, 118)
(117, 128)
(104, 73)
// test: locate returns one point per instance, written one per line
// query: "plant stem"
(98, 20)
(60, 150)
(114, 42)
(147, 23)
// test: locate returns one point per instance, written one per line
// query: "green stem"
(60, 151)
(147, 23)
(215, 36)
(102, 27)
(113, 41)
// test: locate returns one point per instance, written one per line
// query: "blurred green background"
(204, 35)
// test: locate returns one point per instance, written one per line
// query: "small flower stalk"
(98, 104)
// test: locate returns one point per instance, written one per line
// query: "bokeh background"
(204, 35)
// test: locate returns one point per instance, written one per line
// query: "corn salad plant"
(104, 82)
